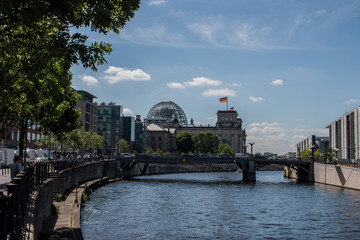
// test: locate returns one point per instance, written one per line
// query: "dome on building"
(169, 111)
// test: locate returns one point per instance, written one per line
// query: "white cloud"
(320, 12)
(277, 82)
(202, 81)
(158, 35)
(219, 92)
(127, 111)
(157, 2)
(311, 130)
(117, 74)
(274, 142)
(208, 29)
(263, 124)
(175, 85)
(299, 21)
(256, 99)
(298, 137)
(236, 84)
(89, 80)
(265, 130)
(350, 101)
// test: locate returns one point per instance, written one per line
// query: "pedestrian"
(16, 167)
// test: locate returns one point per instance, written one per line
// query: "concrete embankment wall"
(39, 208)
(70, 178)
(65, 180)
(162, 168)
(337, 175)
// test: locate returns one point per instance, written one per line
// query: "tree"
(184, 142)
(226, 148)
(305, 155)
(149, 150)
(329, 155)
(159, 151)
(92, 140)
(123, 146)
(37, 51)
(318, 155)
(206, 142)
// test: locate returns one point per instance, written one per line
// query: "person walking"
(16, 167)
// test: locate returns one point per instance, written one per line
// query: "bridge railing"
(354, 163)
(13, 205)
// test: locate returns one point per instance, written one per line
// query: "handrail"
(13, 206)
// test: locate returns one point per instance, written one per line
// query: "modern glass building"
(128, 128)
(345, 135)
(109, 126)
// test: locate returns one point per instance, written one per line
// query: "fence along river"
(220, 206)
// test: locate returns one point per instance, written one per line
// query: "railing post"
(3, 216)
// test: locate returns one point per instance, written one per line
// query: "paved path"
(3, 180)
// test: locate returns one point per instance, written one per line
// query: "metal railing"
(13, 205)
(354, 163)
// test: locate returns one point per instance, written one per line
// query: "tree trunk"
(23, 139)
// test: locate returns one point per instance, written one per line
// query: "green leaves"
(206, 142)
(184, 142)
(38, 46)
(226, 148)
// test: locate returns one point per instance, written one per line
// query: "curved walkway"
(67, 224)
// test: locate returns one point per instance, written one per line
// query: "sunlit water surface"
(220, 206)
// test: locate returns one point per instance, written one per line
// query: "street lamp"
(251, 145)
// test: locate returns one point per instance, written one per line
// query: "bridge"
(138, 166)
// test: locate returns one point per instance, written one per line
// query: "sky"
(288, 67)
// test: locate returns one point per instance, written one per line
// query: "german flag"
(224, 99)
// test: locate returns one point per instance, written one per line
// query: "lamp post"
(251, 145)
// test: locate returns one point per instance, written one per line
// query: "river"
(220, 206)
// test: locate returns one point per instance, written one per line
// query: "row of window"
(14, 135)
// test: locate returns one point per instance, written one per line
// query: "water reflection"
(220, 205)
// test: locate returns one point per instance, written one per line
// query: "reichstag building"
(167, 119)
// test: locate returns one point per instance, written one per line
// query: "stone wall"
(337, 175)
(161, 168)
(70, 178)
(39, 208)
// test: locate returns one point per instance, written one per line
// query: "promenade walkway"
(3, 180)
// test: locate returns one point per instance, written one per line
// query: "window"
(159, 138)
(226, 139)
(153, 138)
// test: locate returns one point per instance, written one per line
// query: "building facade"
(345, 135)
(110, 126)
(171, 120)
(312, 143)
(88, 110)
(11, 137)
(139, 146)
(158, 137)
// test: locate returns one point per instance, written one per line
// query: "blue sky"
(289, 68)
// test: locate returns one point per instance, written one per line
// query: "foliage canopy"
(39, 43)
(184, 142)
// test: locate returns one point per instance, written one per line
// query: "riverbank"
(66, 224)
(340, 176)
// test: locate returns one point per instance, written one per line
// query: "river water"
(220, 206)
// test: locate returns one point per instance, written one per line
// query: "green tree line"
(202, 142)
(40, 40)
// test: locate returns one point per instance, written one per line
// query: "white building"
(312, 143)
(345, 135)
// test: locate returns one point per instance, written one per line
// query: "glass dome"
(167, 110)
